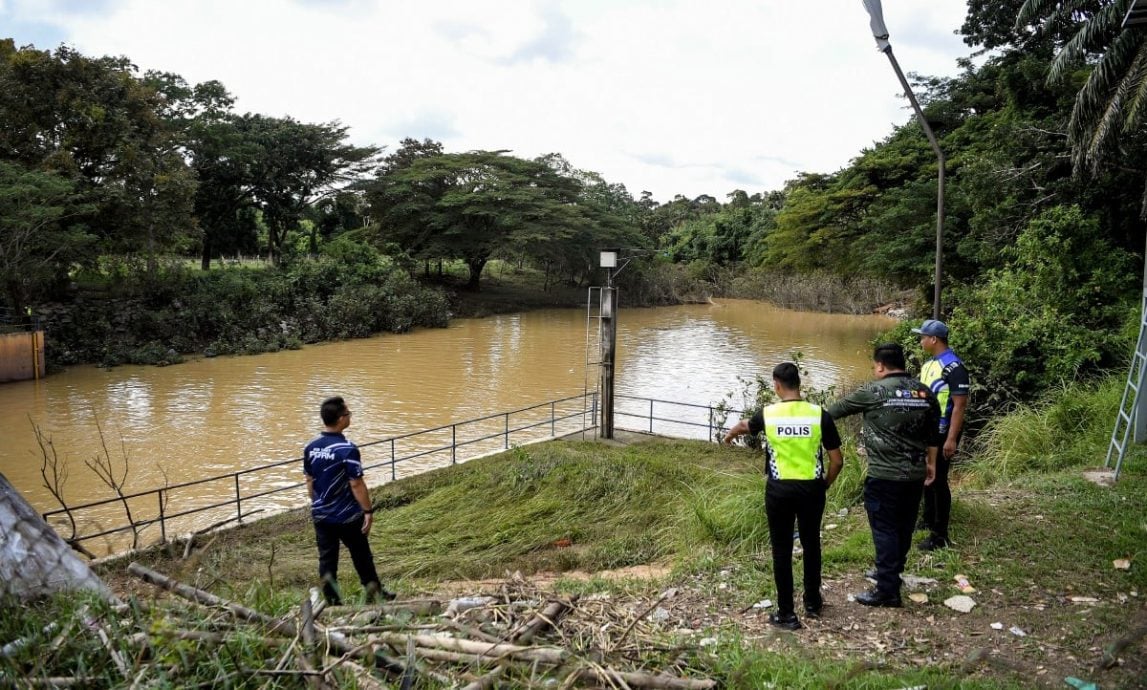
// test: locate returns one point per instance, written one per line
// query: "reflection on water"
(210, 416)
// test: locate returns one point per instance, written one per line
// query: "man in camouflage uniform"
(900, 432)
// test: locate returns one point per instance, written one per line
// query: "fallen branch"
(634, 622)
(415, 607)
(308, 617)
(472, 632)
(545, 655)
(362, 676)
(105, 639)
(456, 657)
(542, 620)
(643, 680)
(208, 599)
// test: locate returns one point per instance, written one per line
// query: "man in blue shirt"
(340, 503)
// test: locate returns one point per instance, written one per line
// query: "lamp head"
(876, 21)
(608, 258)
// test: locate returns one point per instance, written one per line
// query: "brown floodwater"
(208, 417)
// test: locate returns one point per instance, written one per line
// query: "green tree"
(38, 241)
(93, 121)
(471, 206)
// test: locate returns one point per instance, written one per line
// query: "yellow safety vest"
(792, 435)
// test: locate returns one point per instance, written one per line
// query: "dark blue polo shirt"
(331, 462)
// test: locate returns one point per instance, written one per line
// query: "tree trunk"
(205, 258)
(476, 265)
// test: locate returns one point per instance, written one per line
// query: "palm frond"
(1137, 80)
(1092, 36)
(1091, 115)
(1104, 130)
(1041, 11)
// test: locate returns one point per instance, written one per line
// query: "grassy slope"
(1027, 543)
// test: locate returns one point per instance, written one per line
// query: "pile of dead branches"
(517, 636)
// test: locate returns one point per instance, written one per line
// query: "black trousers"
(892, 507)
(802, 502)
(328, 537)
(938, 499)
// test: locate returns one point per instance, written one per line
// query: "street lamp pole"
(880, 33)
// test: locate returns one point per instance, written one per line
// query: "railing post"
(393, 475)
(238, 500)
(553, 423)
(651, 415)
(507, 443)
(453, 444)
(711, 423)
(162, 524)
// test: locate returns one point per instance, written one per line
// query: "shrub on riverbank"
(240, 311)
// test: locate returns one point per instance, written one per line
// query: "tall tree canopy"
(472, 205)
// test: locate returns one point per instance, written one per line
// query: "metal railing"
(242, 493)
(233, 496)
(651, 413)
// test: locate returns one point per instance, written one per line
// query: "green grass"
(1071, 427)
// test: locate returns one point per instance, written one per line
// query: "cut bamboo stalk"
(545, 655)
(146, 574)
(542, 620)
(308, 631)
(416, 607)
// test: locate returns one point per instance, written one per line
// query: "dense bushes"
(241, 311)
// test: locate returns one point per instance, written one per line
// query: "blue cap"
(932, 327)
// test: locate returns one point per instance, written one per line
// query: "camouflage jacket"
(901, 419)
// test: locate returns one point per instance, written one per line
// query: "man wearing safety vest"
(901, 419)
(797, 436)
(945, 374)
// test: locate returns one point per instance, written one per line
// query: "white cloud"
(679, 96)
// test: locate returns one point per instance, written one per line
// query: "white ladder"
(593, 326)
(1131, 415)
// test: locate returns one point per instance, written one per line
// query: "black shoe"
(787, 621)
(376, 592)
(812, 610)
(933, 542)
(875, 597)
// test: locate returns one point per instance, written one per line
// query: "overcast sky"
(671, 96)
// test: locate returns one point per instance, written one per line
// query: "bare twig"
(104, 468)
(649, 609)
(53, 474)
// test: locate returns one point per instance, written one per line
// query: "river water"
(213, 416)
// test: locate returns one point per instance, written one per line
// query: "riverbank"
(166, 318)
(1043, 552)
